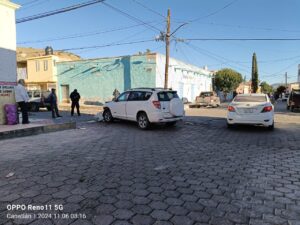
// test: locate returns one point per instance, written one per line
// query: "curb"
(37, 130)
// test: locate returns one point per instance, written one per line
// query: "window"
(139, 96)
(123, 97)
(45, 65)
(37, 65)
(167, 95)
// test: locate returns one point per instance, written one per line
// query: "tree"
(254, 74)
(266, 88)
(227, 80)
(280, 89)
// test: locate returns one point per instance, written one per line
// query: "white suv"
(146, 106)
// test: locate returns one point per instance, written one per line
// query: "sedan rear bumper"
(265, 119)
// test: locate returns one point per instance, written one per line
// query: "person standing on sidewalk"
(22, 99)
(53, 102)
(75, 97)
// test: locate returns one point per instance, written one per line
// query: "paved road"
(197, 173)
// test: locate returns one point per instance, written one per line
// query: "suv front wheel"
(143, 121)
(107, 117)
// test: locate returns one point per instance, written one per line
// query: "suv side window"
(123, 97)
(139, 96)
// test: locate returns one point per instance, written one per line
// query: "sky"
(94, 27)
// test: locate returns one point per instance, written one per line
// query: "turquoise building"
(96, 79)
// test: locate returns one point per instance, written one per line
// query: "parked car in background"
(252, 109)
(293, 101)
(38, 99)
(146, 106)
(284, 97)
(207, 98)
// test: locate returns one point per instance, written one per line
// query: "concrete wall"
(8, 65)
(187, 79)
(96, 79)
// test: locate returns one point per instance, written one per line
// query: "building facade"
(8, 64)
(38, 67)
(41, 72)
(96, 79)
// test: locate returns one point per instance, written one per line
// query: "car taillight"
(156, 104)
(231, 109)
(267, 109)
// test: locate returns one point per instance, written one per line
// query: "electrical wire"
(149, 9)
(106, 45)
(79, 35)
(214, 12)
(131, 17)
(241, 39)
(250, 27)
(57, 11)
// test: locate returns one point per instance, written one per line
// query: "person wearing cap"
(75, 97)
(22, 99)
(53, 103)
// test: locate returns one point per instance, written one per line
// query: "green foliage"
(254, 74)
(280, 89)
(227, 80)
(266, 88)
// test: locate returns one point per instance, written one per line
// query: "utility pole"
(167, 49)
(286, 77)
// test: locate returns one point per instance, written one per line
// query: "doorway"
(65, 93)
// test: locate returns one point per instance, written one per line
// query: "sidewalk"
(36, 126)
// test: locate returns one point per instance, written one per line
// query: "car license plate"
(248, 110)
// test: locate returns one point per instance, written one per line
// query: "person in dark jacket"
(75, 97)
(53, 103)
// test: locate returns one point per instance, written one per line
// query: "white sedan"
(252, 109)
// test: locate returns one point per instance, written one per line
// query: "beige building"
(244, 88)
(295, 85)
(41, 72)
(38, 67)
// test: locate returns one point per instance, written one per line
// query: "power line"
(250, 27)
(106, 45)
(131, 17)
(78, 35)
(215, 57)
(241, 39)
(57, 11)
(30, 2)
(284, 69)
(29, 6)
(215, 12)
(149, 9)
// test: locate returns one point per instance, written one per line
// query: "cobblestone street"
(196, 173)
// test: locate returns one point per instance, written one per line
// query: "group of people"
(22, 99)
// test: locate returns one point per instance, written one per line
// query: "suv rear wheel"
(107, 117)
(143, 121)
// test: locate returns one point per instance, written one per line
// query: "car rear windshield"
(250, 99)
(167, 95)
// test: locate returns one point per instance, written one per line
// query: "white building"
(188, 80)
(8, 65)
